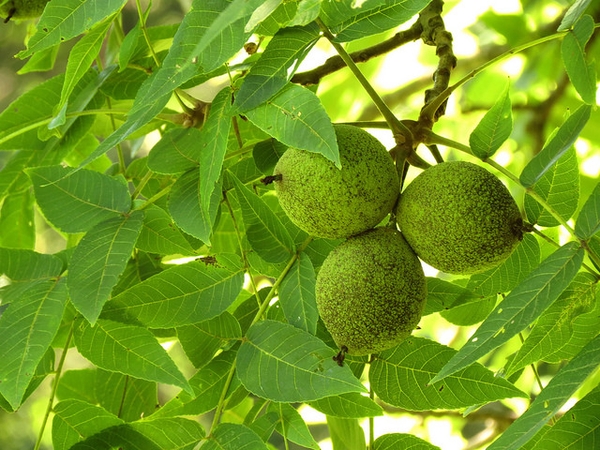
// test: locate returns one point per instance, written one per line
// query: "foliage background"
(542, 97)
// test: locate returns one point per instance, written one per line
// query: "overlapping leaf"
(558, 391)
(181, 295)
(554, 328)
(282, 363)
(74, 420)
(523, 305)
(233, 436)
(27, 328)
(559, 187)
(563, 139)
(57, 25)
(588, 221)
(159, 234)
(99, 260)
(346, 433)
(128, 349)
(296, 117)
(351, 405)
(176, 152)
(78, 201)
(405, 441)
(415, 361)
(297, 295)
(186, 206)
(276, 65)
(265, 232)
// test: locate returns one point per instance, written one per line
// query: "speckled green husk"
(328, 202)
(23, 9)
(459, 218)
(371, 291)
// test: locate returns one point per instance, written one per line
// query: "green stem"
(430, 109)
(145, 32)
(59, 368)
(397, 127)
(371, 421)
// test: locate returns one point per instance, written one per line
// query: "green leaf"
(74, 420)
(172, 433)
(75, 202)
(212, 146)
(559, 186)
(348, 23)
(119, 436)
(581, 73)
(20, 120)
(296, 117)
(558, 391)
(276, 66)
(63, 20)
(266, 154)
(588, 221)
(297, 295)
(17, 221)
(573, 14)
(202, 340)
(160, 235)
(443, 295)
(208, 384)
(127, 349)
(99, 260)
(351, 405)
(186, 206)
(27, 328)
(563, 139)
(346, 434)
(291, 425)
(415, 361)
(265, 232)
(181, 295)
(21, 265)
(233, 436)
(554, 328)
(511, 272)
(493, 129)
(203, 42)
(521, 307)
(578, 428)
(82, 56)
(282, 363)
(394, 441)
(177, 151)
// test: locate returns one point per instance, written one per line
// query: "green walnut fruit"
(459, 218)
(371, 291)
(22, 9)
(334, 203)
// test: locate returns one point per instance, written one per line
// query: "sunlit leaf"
(351, 405)
(559, 187)
(556, 147)
(588, 221)
(581, 72)
(181, 295)
(177, 151)
(549, 401)
(493, 129)
(415, 361)
(523, 305)
(285, 364)
(573, 14)
(296, 118)
(233, 436)
(99, 260)
(27, 328)
(276, 65)
(63, 20)
(346, 433)
(394, 441)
